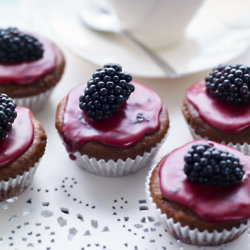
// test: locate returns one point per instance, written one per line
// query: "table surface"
(67, 207)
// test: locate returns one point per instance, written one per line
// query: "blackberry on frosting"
(17, 46)
(206, 165)
(7, 114)
(229, 83)
(107, 90)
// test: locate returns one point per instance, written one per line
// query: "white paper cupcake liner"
(36, 102)
(244, 148)
(194, 236)
(15, 186)
(117, 168)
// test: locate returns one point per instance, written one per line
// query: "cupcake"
(30, 67)
(112, 126)
(218, 107)
(22, 144)
(202, 192)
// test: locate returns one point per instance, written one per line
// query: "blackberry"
(206, 165)
(229, 83)
(16, 46)
(7, 114)
(107, 90)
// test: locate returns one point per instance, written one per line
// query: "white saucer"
(207, 43)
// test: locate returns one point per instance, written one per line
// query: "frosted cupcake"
(30, 67)
(22, 145)
(202, 192)
(112, 126)
(218, 107)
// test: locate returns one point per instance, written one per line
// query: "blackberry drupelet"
(7, 114)
(107, 90)
(206, 165)
(229, 83)
(16, 46)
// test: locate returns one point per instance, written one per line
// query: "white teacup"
(156, 23)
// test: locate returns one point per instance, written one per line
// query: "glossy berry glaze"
(211, 203)
(138, 117)
(19, 137)
(225, 117)
(28, 72)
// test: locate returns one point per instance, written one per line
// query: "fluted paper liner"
(244, 148)
(15, 186)
(35, 102)
(194, 236)
(120, 167)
